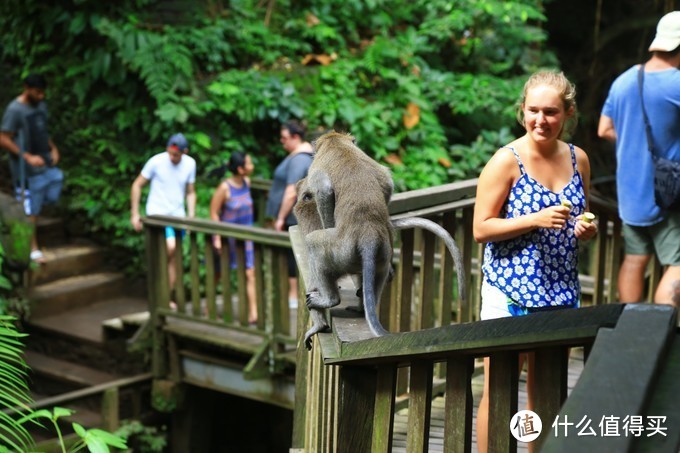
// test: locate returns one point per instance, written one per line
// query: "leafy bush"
(424, 85)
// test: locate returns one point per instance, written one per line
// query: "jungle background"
(428, 87)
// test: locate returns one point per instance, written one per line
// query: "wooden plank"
(503, 386)
(225, 280)
(625, 358)
(357, 388)
(241, 283)
(550, 385)
(616, 247)
(466, 311)
(384, 409)
(665, 402)
(180, 296)
(110, 409)
(159, 295)
(600, 261)
(572, 327)
(458, 405)
(420, 407)
(210, 298)
(194, 273)
(447, 275)
(427, 284)
(259, 285)
(405, 280)
(264, 236)
(432, 196)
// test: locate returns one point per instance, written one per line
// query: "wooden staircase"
(81, 314)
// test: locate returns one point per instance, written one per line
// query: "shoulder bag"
(666, 171)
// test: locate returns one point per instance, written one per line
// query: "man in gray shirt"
(33, 154)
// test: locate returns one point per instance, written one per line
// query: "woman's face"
(248, 168)
(544, 113)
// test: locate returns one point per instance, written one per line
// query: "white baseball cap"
(667, 33)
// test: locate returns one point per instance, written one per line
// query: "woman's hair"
(564, 87)
(237, 159)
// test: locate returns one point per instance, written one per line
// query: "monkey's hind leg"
(323, 267)
(319, 324)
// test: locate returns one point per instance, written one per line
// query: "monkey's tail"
(372, 284)
(419, 222)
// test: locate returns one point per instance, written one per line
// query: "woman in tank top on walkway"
(531, 253)
(232, 202)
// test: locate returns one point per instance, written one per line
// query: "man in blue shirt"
(33, 154)
(648, 229)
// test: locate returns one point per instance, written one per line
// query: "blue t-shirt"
(634, 166)
(28, 126)
(292, 169)
(539, 268)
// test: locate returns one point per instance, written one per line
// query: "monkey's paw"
(313, 331)
(314, 299)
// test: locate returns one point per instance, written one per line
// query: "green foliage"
(124, 75)
(95, 440)
(14, 392)
(15, 399)
(143, 439)
(12, 298)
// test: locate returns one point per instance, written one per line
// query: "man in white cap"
(648, 229)
(172, 175)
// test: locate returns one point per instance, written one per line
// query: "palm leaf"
(14, 394)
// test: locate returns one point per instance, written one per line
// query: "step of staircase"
(124, 326)
(50, 231)
(67, 261)
(88, 322)
(70, 373)
(73, 292)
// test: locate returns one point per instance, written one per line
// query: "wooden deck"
(437, 424)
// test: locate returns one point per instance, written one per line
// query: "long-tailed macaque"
(342, 212)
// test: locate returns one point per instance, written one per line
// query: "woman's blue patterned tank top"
(239, 207)
(539, 268)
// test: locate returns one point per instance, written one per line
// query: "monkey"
(351, 192)
(354, 237)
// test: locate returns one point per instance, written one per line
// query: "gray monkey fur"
(342, 213)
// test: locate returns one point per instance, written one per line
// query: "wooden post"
(458, 405)
(110, 409)
(503, 382)
(384, 409)
(357, 388)
(419, 407)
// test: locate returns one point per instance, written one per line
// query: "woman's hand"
(217, 243)
(583, 230)
(554, 217)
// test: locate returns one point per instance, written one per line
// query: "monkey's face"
(305, 209)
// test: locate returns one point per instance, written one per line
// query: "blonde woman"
(531, 198)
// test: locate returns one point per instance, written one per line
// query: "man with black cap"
(648, 228)
(34, 156)
(172, 175)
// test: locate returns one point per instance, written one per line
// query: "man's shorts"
(661, 239)
(43, 188)
(170, 233)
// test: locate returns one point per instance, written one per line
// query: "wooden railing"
(350, 407)
(352, 386)
(201, 298)
(422, 294)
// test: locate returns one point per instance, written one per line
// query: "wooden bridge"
(346, 391)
